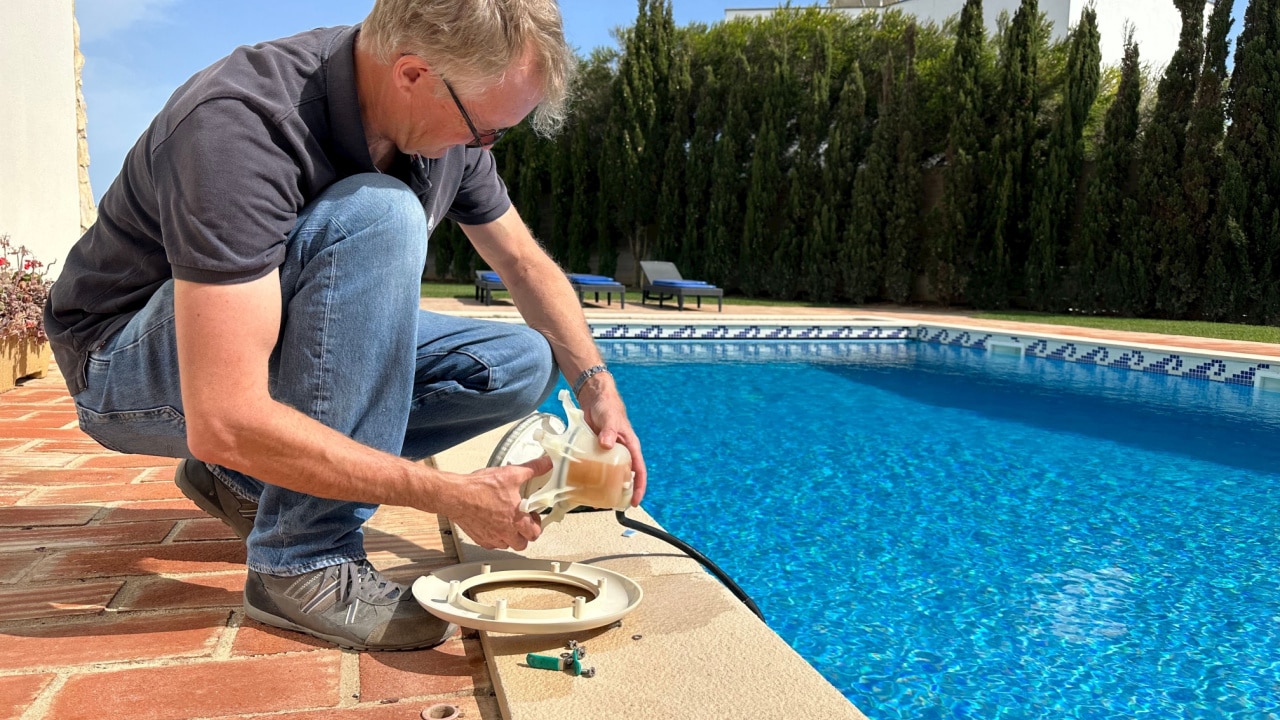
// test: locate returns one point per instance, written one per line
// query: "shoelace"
(362, 581)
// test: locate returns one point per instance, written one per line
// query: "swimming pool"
(948, 533)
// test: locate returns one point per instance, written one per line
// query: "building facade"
(1156, 23)
(45, 202)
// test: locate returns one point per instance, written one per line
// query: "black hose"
(706, 562)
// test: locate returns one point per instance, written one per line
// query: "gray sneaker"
(213, 496)
(350, 605)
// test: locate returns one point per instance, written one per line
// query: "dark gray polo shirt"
(212, 189)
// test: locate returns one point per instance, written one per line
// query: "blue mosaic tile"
(1173, 364)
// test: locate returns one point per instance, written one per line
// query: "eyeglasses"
(478, 140)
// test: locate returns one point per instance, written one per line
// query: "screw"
(589, 672)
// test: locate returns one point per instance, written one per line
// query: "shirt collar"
(350, 143)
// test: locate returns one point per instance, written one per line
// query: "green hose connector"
(543, 662)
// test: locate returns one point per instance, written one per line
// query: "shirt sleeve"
(482, 196)
(228, 192)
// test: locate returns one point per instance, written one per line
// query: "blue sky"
(138, 51)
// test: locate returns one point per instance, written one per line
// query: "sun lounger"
(663, 282)
(583, 284)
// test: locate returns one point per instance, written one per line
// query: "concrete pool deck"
(121, 599)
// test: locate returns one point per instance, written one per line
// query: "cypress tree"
(672, 203)
(630, 116)
(728, 185)
(862, 251)
(579, 242)
(1171, 288)
(639, 117)
(1202, 178)
(952, 253)
(1054, 194)
(803, 231)
(1009, 165)
(844, 152)
(701, 156)
(902, 224)
(530, 152)
(762, 202)
(1252, 153)
(1099, 265)
(560, 157)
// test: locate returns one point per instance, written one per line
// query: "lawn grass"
(1222, 331)
(436, 289)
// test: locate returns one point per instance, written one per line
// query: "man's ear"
(408, 71)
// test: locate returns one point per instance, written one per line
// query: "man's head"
(490, 58)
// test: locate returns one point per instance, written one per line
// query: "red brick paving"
(77, 598)
(255, 639)
(249, 685)
(156, 510)
(205, 528)
(111, 579)
(46, 516)
(450, 668)
(110, 639)
(151, 592)
(17, 693)
(94, 535)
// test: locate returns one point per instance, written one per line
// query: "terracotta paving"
(120, 599)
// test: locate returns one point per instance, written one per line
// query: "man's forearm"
(549, 305)
(281, 446)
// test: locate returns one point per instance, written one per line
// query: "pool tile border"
(1145, 358)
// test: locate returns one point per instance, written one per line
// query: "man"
(248, 300)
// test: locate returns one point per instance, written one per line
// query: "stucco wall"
(88, 208)
(39, 152)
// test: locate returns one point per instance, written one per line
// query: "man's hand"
(486, 503)
(607, 415)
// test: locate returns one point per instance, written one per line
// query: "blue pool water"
(944, 533)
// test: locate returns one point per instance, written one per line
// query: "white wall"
(1156, 26)
(39, 175)
(1156, 22)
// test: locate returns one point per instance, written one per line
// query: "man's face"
(438, 120)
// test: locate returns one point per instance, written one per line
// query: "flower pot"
(22, 357)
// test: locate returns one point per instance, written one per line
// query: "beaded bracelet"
(587, 375)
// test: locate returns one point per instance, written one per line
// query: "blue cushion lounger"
(663, 282)
(486, 282)
(583, 283)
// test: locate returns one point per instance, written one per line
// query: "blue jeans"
(355, 353)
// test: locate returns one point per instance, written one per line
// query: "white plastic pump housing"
(582, 472)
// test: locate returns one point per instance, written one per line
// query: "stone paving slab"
(120, 599)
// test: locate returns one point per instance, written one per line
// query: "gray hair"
(474, 42)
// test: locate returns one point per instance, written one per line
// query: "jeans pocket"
(158, 431)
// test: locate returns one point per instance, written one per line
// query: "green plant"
(24, 288)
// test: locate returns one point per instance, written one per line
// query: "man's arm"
(226, 334)
(549, 305)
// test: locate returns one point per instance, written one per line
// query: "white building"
(44, 196)
(1156, 23)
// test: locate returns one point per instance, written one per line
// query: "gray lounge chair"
(583, 284)
(486, 282)
(662, 281)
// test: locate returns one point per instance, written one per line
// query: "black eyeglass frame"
(478, 140)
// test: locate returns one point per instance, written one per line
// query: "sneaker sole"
(267, 618)
(211, 508)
